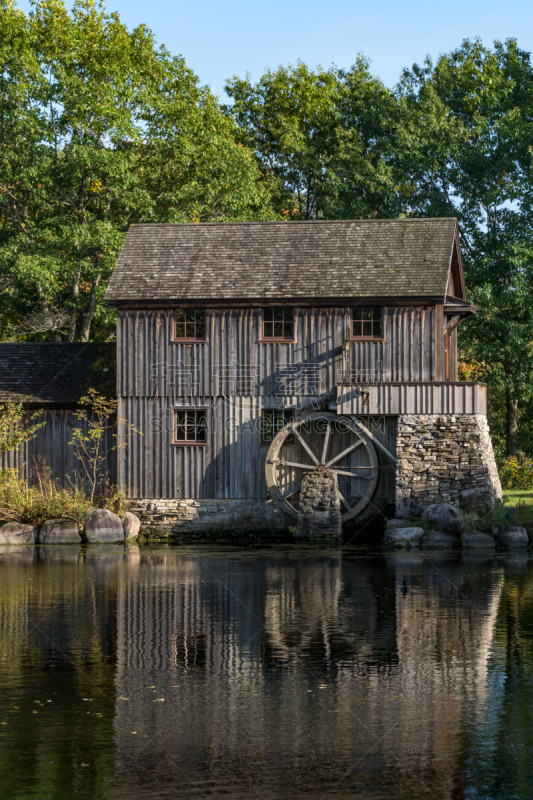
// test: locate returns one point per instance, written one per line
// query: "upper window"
(190, 426)
(190, 324)
(278, 323)
(367, 322)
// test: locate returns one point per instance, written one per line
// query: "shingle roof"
(54, 373)
(275, 260)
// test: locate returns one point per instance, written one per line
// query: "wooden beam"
(453, 323)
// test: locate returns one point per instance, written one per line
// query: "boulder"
(475, 540)
(18, 533)
(513, 538)
(446, 517)
(131, 525)
(102, 526)
(59, 531)
(439, 540)
(396, 523)
(403, 537)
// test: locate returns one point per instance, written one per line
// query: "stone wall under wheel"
(439, 456)
(320, 506)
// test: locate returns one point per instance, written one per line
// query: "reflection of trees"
(57, 642)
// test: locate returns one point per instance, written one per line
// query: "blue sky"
(219, 40)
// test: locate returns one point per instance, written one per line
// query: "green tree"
(99, 129)
(323, 138)
(464, 149)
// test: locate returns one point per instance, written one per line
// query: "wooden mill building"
(248, 353)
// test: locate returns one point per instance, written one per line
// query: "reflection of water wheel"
(322, 439)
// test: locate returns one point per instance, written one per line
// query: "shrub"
(34, 504)
(516, 473)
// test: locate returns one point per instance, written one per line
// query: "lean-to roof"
(55, 373)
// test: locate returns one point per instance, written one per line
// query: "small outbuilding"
(52, 378)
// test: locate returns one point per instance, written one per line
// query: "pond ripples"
(277, 673)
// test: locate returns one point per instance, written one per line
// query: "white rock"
(102, 526)
(403, 537)
(131, 525)
(18, 533)
(59, 531)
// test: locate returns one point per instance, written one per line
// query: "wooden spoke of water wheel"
(319, 457)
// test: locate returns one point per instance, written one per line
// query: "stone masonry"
(438, 456)
(320, 515)
(164, 520)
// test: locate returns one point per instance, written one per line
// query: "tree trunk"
(87, 317)
(511, 422)
(75, 294)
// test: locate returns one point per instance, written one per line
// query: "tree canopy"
(465, 150)
(99, 129)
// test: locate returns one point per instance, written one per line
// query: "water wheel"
(322, 439)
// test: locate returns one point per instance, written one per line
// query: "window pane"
(268, 314)
(190, 314)
(180, 426)
(268, 426)
(357, 328)
(378, 327)
(287, 327)
(268, 330)
(356, 313)
(278, 330)
(200, 426)
(367, 329)
(279, 421)
(278, 314)
(200, 329)
(377, 314)
(367, 313)
(180, 331)
(189, 426)
(180, 315)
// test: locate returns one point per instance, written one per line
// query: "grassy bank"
(512, 497)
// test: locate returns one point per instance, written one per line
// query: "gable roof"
(284, 260)
(54, 373)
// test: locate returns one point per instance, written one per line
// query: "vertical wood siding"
(230, 465)
(51, 448)
(233, 361)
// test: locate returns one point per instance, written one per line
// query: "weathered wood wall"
(233, 361)
(51, 447)
(232, 462)
(423, 398)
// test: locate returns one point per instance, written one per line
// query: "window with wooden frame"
(367, 323)
(278, 324)
(190, 426)
(272, 421)
(189, 325)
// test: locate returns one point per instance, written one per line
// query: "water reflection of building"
(295, 671)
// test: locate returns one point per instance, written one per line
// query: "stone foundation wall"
(320, 506)
(167, 519)
(438, 456)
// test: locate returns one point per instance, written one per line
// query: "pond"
(162, 672)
